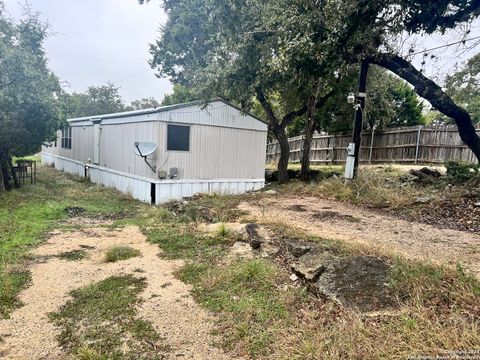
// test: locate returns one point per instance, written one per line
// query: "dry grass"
(377, 187)
(439, 312)
(261, 314)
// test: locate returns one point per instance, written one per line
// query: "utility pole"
(359, 109)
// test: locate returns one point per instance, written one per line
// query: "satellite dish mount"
(144, 149)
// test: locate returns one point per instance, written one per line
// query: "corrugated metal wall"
(216, 153)
(116, 147)
(224, 144)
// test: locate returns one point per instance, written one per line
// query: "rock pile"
(356, 282)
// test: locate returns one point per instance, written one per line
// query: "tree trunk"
(278, 131)
(12, 172)
(5, 171)
(430, 91)
(282, 138)
(2, 187)
(307, 142)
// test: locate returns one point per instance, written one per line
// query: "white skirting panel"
(63, 164)
(140, 188)
(137, 187)
(177, 189)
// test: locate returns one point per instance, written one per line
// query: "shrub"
(460, 172)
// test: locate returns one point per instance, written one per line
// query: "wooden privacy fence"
(417, 144)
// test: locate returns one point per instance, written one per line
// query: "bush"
(460, 172)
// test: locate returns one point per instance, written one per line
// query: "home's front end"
(196, 149)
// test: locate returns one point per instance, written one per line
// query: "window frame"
(66, 137)
(189, 127)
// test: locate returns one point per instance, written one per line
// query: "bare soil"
(185, 327)
(382, 232)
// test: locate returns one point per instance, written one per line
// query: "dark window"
(178, 138)
(67, 137)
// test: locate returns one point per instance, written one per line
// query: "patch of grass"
(74, 255)
(118, 253)
(377, 187)
(461, 172)
(434, 285)
(101, 322)
(11, 283)
(222, 231)
(180, 241)
(29, 213)
(247, 296)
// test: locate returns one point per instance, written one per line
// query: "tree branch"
(430, 91)
(287, 119)
(272, 119)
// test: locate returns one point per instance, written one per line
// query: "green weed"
(11, 283)
(118, 253)
(101, 322)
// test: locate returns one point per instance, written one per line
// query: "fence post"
(417, 149)
(333, 160)
(371, 146)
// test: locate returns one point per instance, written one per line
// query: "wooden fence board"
(402, 145)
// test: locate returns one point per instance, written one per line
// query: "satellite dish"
(144, 149)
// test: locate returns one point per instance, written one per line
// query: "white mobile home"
(192, 148)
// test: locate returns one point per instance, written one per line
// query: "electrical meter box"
(350, 164)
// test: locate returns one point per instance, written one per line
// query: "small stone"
(241, 250)
(270, 192)
(269, 250)
(297, 248)
(293, 277)
(422, 200)
(477, 204)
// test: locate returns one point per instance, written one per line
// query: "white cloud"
(97, 41)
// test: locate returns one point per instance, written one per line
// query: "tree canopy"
(29, 108)
(97, 100)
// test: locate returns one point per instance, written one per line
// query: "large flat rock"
(357, 282)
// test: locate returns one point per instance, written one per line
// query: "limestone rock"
(357, 282)
(312, 264)
(298, 248)
(269, 250)
(241, 250)
(270, 192)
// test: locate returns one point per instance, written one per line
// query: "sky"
(97, 41)
(100, 41)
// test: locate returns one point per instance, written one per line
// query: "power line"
(444, 46)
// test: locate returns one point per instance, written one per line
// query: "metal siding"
(216, 153)
(219, 147)
(116, 144)
(216, 113)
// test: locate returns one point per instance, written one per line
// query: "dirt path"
(29, 334)
(335, 220)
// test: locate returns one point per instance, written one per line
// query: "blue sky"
(95, 41)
